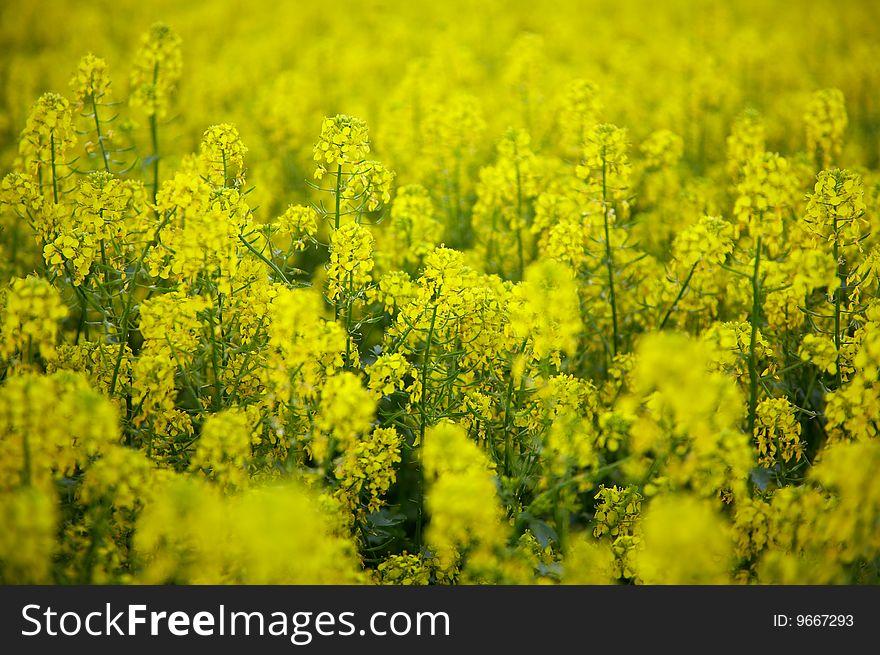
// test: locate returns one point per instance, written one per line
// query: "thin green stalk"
(590, 476)
(83, 325)
(264, 259)
(423, 414)
(337, 218)
(756, 315)
(519, 216)
(508, 436)
(54, 172)
(562, 519)
(424, 374)
(154, 136)
(26, 456)
(674, 304)
(609, 261)
(96, 536)
(13, 248)
(215, 365)
(349, 303)
(459, 218)
(841, 274)
(104, 157)
(124, 326)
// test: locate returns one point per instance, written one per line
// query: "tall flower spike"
(90, 80)
(344, 141)
(157, 69)
(221, 155)
(48, 134)
(826, 121)
(605, 155)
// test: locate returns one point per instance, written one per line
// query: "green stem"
(349, 303)
(587, 475)
(215, 365)
(459, 217)
(519, 217)
(124, 326)
(337, 218)
(508, 436)
(96, 536)
(755, 317)
(54, 173)
(609, 261)
(423, 419)
(841, 274)
(562, 520)
(264, 259)
(674, 304)
(423, 405)
(104, 157)
(154, 136)
(26, 456)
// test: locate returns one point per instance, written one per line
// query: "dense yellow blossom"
(31, 311)
(249, 540)
(369, 466)
(221, 156)
(594, 299)
(299, 223)
(546, 311)
(351, 260)
(746, 141)
(344, 140)
(826, 120)
(157, 70)
(224, 448)
(346, 410)
(27, 541)
(465, 518)
(46, 139)
(777, 431)
(836, 207)
(605, 165)
(684, 541)
(90, 82)
(50, 426)
(404, 569)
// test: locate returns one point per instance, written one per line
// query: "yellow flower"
(546, 310)
(351, 260)
(157, 69)
(366, 471)
(346, 410)
(31, 311)
(344, 141)
(662, 149)
(826, 120)
(27, 542)
(605, 163)
(90, 82)
(465, 517)
(223, 449)
(684, 541)
(47, 136)
(777, 432)
(221, 156)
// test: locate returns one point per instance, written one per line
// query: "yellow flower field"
(388, 292)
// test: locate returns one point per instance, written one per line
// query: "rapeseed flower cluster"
(288, 303)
